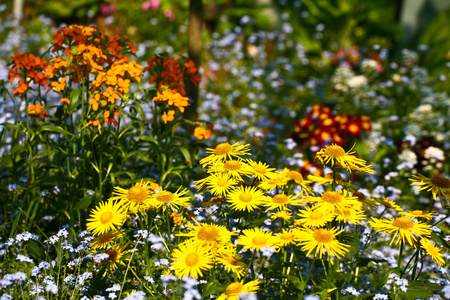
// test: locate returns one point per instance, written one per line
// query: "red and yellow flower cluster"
(322, 126)
(171, 72)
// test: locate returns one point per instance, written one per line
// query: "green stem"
(308, 276)
(400, 256)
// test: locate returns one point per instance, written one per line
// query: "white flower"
(434, 152)
(357, 82)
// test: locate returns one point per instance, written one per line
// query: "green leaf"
(186, 154)
(45, 153)
(18, 149)
(416, 289)
(150, 139)
(57, 129)
(84, 202)
(69, 63)
(212, 288)
(74, 96)
(352, 239)
(301, 285)
(439, 239)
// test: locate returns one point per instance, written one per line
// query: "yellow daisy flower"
(190, 259)
(115, 254)
(279, 179)
(135, 199)
(246, 198)
(167, 199)
(261, 171)
(298, 178)
(105, 240)
(231, 262)
(313, 217)
(105, 217)
(437, 184)
(330, 201)
(335, 154)
(223, 152)
(328, 179)
(234, 168)
(286, 237)
(321, 239)
(208, 234)
(403, 228)
(418, 214)
(220, 184)
(433, 251)
(349, 215)
(367, 203)
(388, 203)
(281, 214)
(281, 202)
(213, 201)
(256, 238)
(236, 289)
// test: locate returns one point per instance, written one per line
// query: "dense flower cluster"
(323, 126)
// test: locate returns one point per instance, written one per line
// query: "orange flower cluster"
(83, 51)
(37, 110)
(27, 67)
(172, 98)
(201, 132)
(168, 71)
(321, 126)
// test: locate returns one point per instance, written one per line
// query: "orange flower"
(95, 123)
(59, 85)
(37, 110)
(202, 133)
(65, 100)
(176, 217)
(169, 117)
(21, 89)
(111, 95)
(108, 120)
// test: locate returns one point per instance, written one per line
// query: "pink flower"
(106, 9)
(169, 15)
(151, 4)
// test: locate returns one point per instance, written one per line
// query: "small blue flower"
(23, 179)
(12, 187)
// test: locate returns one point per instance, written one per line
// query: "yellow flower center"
(232, 165)
(334, 151)
(361, 196)
(137, 194)
(296, 176)
(317, 215)
(107, 238)
(223, 149)
(166, 197)
(112, 254)
(343, 212)
(403, 223)
(222, 181)
(417, 212)
(288, 236)
(208, 233)
(332, 197)
(245, 197)
(232, 260)
(259, 240)
(234, 289)
(329, 176)
(440, 181)
(191, 259)
(106, 217)
(323, 236)
(280, 198)
(259, 169)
